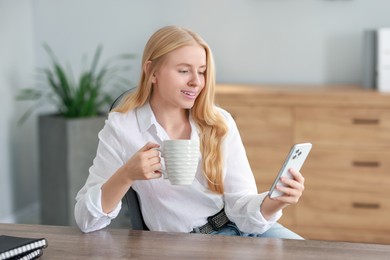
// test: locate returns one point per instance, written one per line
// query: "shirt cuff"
(94, 204)
(257, 217)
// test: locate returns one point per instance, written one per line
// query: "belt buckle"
(215, 224)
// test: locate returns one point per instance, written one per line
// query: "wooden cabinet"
(347, 174)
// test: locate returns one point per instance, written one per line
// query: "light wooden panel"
(262, 125)
(337, 209)
(346, 174)
(343, 234)
(358, 170)
(343, 126)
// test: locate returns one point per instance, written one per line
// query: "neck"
(175, 121)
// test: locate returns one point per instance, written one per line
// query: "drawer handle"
(362, 205)
(365, 121)
(366, 164)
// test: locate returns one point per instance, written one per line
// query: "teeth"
(189, 93)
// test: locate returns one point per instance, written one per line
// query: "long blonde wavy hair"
(210, 122)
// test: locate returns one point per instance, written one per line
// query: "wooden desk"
(70, 243)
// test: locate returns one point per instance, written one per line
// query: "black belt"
(214, 223)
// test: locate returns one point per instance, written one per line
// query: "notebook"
(21, 247)
(31, 255)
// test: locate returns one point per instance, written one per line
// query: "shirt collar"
(146, 120)
(145, 117)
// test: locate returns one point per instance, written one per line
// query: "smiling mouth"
(192, 94)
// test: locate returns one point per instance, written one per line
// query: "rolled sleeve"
(255, 222)
(94, 204)
(88, 212)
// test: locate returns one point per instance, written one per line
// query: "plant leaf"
(96, 59)
(81, 96)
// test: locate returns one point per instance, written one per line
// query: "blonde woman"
(175, 100)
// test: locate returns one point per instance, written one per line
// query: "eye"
(183, 71)
(202, 72)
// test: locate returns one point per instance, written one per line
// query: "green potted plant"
(85, 97)
(68, 138)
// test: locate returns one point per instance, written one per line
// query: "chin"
(188, 105)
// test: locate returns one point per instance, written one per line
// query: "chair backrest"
(119, 98)
(131, 197)
(136, 219)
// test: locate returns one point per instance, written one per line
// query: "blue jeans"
(276, 231)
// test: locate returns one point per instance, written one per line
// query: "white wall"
(265, 41)
(18, 171)
(254, 41)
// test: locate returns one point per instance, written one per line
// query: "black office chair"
(131, 197)
(136, 219)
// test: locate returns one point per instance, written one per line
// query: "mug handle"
(163, 170)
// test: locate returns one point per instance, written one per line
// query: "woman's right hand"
(144, 164)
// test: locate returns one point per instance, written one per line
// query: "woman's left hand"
(293, 189)
(292, 193)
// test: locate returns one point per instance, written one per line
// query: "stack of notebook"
(12, 247)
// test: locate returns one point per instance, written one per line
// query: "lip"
(189, 94)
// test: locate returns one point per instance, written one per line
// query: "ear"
(147, 67)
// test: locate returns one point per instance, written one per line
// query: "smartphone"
(294, 160)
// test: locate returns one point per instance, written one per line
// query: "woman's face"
(180, 79)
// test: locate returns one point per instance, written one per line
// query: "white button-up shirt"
(167, 207)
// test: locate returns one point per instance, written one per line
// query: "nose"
(195, 80)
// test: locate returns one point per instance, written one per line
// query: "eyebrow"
(189, 65)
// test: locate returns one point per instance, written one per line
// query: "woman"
(175, 100)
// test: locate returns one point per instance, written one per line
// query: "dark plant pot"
(67, 148)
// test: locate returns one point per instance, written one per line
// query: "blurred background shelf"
(348, 170)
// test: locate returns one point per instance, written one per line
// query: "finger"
(288, 181)
(291, 183)
(297, 175)
(286, 191)
(287, 199)
(152, 153)
(156, 167)
(153, 175)
(290, 191)
(148, 146)
(289, 196)
(154, 160)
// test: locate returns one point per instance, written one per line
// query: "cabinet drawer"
(359, 170)
(263, 125)
(345, 235)
(343, 126)
(336, 209)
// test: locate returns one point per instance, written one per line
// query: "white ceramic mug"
(181, 158)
